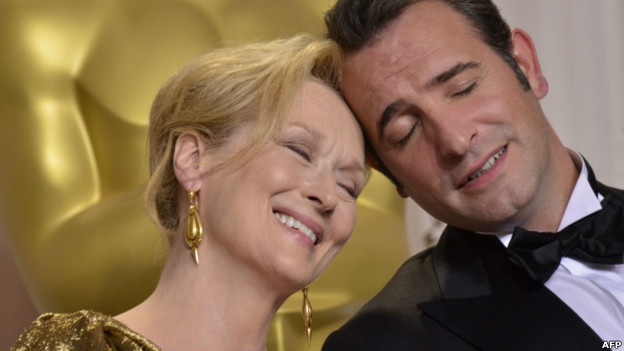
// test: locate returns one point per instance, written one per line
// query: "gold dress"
(82, 330)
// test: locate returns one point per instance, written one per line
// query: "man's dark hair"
(354, 24)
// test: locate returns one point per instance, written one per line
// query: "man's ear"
(525, 54)
(188, 160)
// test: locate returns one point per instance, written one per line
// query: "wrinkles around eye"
(348, 185)
(299, 150)
(350, 190)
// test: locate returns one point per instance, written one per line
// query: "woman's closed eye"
(351, 181)
(350, 189)
(299, 150)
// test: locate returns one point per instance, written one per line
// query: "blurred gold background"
(77, 78)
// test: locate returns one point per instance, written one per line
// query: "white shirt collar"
(583, 201)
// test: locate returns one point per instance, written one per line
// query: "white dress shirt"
(594, 291)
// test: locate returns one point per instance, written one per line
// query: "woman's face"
(287, 212)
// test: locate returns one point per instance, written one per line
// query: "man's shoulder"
(392, 315)
(416, 274)
(606, 189)
(414, 282)
(418, 278)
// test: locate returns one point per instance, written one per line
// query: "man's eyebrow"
(390, 111)
(450, 73)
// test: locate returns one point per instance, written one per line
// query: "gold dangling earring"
(194, 232)
(306, 312)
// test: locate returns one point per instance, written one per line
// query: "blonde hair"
(217, 93)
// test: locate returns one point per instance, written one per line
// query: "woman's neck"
(212, 305)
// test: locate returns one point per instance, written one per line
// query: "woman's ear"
(525, 54)
(188, 159)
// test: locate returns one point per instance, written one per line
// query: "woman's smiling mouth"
(296, 224)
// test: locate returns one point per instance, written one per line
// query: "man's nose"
(453, 134)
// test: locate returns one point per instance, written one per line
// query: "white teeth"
(490, 162)
(293, 223)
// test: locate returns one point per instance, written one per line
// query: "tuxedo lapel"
(600, 188)
(491, 303)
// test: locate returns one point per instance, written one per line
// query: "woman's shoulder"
(81, 330)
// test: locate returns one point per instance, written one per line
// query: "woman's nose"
(322, 192)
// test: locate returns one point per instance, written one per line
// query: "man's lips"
(487, 165)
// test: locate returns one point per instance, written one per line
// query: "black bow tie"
(597, 238)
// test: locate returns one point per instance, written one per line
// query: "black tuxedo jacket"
(465, 294)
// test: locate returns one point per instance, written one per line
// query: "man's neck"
(581, 201)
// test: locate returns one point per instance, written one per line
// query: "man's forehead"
(363, 85)
(375, 76)
(426, 40)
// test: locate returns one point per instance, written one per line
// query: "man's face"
(450, 119)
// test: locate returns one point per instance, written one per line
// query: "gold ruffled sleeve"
(79, 331)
